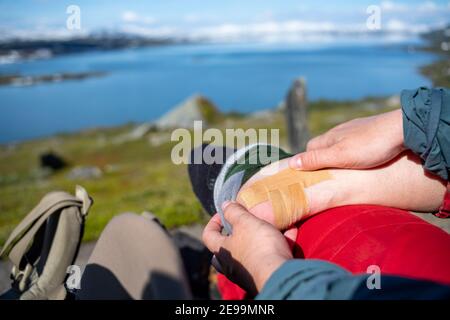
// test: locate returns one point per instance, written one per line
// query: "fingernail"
(225, 204)
(298, 163)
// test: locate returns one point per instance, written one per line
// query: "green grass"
(137, 176)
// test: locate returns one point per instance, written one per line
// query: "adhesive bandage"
(286, 192)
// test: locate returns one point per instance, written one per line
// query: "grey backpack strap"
(45, 243)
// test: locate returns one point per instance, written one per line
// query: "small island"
(20, 80)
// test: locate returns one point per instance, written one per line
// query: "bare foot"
(402, 183)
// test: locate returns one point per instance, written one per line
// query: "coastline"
(21, 81)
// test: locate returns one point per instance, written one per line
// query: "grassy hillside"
(438, 42)
(137, 175)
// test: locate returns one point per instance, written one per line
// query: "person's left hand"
(357, 144)
(252, 253)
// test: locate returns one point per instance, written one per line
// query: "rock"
(84, 173)
(52, 161)
(140, 131)
(183, 116)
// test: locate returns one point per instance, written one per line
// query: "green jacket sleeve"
(426, 127)
(300, 279)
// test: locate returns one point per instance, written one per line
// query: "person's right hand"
(252, 252)
(360, 143)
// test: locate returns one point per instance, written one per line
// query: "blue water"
(142, 84)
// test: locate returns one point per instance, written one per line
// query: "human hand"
(252, 253)
(360, 143)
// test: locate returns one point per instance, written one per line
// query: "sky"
(228, 19)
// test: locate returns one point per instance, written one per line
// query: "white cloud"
(390, 6)
(395, 25)
(273, 31)
(399, 18)
(424, 7)
(133, 17)
(428, 6)
(398, 26)
(129, 16)
(294, 30)
(153, 32)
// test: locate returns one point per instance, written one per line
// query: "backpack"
(45, 244)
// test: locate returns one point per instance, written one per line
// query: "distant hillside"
(438, 42)
(17, 49)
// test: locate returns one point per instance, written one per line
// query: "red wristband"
(444, 210)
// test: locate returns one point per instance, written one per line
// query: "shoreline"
(17, 80)
(432, 71)
(370, 102)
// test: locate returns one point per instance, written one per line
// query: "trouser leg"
(134, 258)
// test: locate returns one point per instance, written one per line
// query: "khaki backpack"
(45, 244)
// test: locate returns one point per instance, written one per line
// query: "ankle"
(326, 195)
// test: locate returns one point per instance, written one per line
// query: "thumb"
(234, 212)
(318, 159)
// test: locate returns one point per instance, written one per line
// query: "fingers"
(332, 157)
(323, 141)
(212, 236)
(294, 162)
(234, 213)
(291, 234)
(319, 142)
